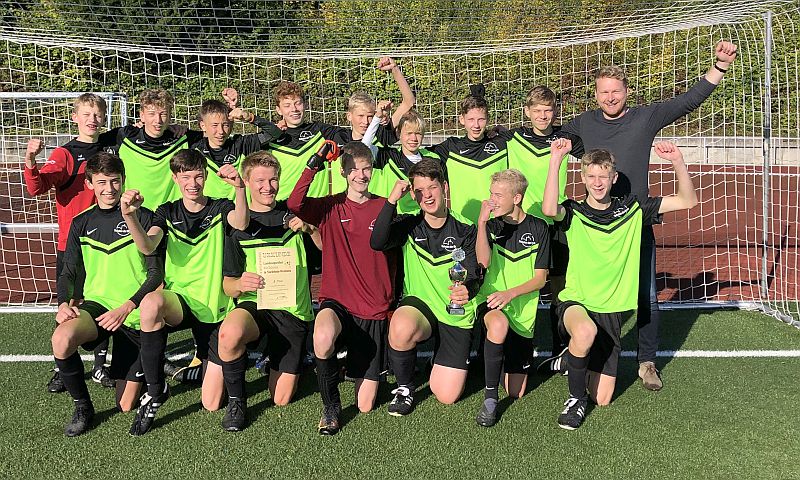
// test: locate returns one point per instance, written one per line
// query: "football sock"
(403, 365)
(100, 353)
(234, 376)
(558, 344)
(328, 380)
(71, 371)
(152, 351)
(577, 375)
(492, 365)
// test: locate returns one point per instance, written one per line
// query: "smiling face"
(191, 183)
(291, 109)
(89, 118)
(474, 121)
(263, 183)
(611, 95)
(217, 128)
(107, 188)
(503, 198)
(598, 180)
(359, 175)
(429, 194)
(156, 119)
(541, 117)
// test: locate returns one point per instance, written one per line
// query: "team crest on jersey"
(449, 244)
(122, 229)
(81, 157)
(111, 150)
(206, 222)
(305, 136)
(229, 159)
(527, 240)
(490, 148)
(620, 211)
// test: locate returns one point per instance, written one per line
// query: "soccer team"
(160, 228)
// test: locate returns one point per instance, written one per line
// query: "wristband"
(723, 70)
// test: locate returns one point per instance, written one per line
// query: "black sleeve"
(268, 131)
(493, 227)
(233, 259)
(225, 207)
(194, 136)
(160, 218)
(110, 138)
(574, 126)
(330, 132)
(442, 149)
(564, 223)
(386, 134)
(667, 112)
(577, 143)
(154, 262)
(542, 235)
(473, 282)
(382, 158)
(72, 267)
(650, 215)
(390, 231)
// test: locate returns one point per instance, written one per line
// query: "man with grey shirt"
(629, 132)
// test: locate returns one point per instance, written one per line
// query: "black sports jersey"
(269, 230)
(100, 246)
(517, 252)
(427, 257)
(603, 269)
(470, 165)
(385, 136)
(194, 252)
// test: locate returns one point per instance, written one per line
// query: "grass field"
(727, 418)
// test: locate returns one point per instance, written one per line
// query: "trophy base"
(455, 309)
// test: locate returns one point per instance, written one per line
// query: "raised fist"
(725, 52)
(231, 97)
(386, 64)
(130, 201)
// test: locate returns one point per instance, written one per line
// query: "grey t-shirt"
(631, 136)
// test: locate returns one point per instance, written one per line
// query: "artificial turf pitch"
(725, 418)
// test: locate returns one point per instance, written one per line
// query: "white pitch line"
(538, 354)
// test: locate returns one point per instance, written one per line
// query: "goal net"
(738, 247)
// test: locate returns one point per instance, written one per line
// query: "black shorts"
(365, 340)
(286, 338)
(201, 331)
(451, 344)
(125, 362)
(517, 350)
(604, 354)
(559, 252)
(94, 310)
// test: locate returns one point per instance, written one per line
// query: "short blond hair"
(413, 118)
(540, 95)
(612, 71)
(91, 99)
(514, 178)
(260, 159)
(361, 99)
(156, 97)
(599, 157)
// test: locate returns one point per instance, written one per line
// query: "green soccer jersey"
(427, 258)
(215, 187)
(470, 166)
(194, 255)
(603, 269)
(390, 166)
(517, 251)
(268, 230)
(530, 154)
(100, 245)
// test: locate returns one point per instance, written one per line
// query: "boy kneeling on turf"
(430, 241)
(195, 228)
(117, 277)
(604, 234)
(514, 247)
(271, 226)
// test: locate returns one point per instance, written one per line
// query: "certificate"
(278, 267)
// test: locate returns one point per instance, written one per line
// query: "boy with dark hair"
(604, 234)
(100, 248)
(430, 242)
(514, 248)
(64, 171)
(271, 227)
(195, 228)
(628, 132)
(356, 289)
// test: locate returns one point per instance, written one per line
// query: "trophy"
(458, 274)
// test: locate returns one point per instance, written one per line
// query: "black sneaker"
(146, 414)
(81, 419)
(56, 385)
(329, 423)
(402, 403)
(573, 414)
(101, 375)
(487, 416)
(557, 364)
(235, 415)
